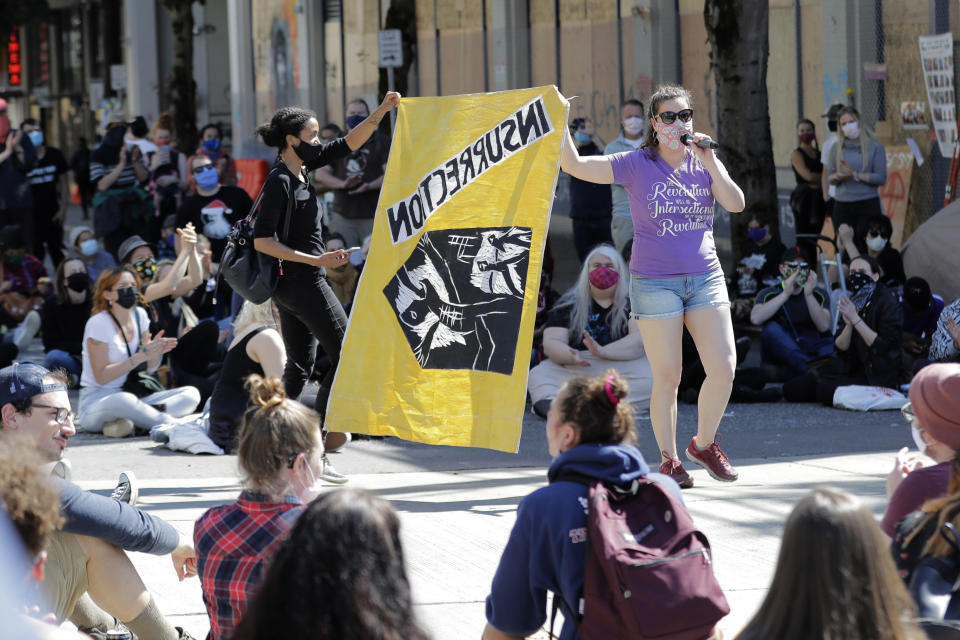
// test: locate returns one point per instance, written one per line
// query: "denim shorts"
(655, 298)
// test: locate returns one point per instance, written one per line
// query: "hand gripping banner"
(438, 344)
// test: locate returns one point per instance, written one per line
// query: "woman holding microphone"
(309, 310)
(676, 280)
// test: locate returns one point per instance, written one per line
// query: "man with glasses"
(933, 414)
(88, 554)
(795, 317)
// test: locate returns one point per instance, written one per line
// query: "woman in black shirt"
(309, 311)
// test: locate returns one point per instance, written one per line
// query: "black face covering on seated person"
(307, 152)
(127, 297)
(78, 281)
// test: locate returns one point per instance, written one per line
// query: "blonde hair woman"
(857, 165)
(589, 331)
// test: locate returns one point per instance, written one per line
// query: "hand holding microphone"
(705, 143)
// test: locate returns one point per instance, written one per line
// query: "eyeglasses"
(669, 117)
(63, 415)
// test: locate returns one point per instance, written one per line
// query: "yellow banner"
(439, 339)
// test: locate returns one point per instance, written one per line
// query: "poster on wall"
(936, 55)
(895, 192)
(276, 65)
(913, 115)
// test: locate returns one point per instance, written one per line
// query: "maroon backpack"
(648, 572)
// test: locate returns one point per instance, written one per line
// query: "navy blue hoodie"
(547, 547)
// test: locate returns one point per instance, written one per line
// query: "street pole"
(393, 112)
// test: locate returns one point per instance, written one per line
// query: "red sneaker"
(674, 469)
(713, 459)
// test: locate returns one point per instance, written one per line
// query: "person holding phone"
(309, 311)
(673, 184)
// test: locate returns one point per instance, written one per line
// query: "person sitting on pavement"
(118, 345)
(945, 344)
(921, 310)
(758, 267)
(867, 342)
(87, 554)
(339, 574)
(33, 508)
(795, 316)
(281, 460)
(87, 248)
(590, 431)
(834, 578)
(24, 284)
(872, 238)
(934, 415)
(63, 317)
(256, 348)
(589, 331)
(181, 280)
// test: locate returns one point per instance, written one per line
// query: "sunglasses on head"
(669, 117)
(796, 265)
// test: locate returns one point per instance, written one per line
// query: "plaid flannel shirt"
(233, 543)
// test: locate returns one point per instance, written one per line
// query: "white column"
(140, 58)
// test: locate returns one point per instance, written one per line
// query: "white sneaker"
(27, 330)
(119, 428)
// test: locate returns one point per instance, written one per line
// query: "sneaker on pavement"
(713, 459)
(330, 474)
(127, 489)
(119, 428)
(674, 469)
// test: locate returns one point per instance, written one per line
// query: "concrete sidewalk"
(455, 525)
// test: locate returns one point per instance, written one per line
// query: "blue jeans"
(657, 298)
(780, 347)
(60, 359)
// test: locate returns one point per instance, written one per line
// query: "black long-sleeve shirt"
(62, 325)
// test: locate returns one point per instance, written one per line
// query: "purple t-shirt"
(919, 486)
(672, 213)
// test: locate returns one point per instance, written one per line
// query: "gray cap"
(76, 231)
(129, 246)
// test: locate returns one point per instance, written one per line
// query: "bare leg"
(662, 340)
(712, 331)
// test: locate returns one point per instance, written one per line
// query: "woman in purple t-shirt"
(676, 279)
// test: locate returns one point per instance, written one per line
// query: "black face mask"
(114, 137)
(307, 152)
(856, 281)
(78, 282)
(127, 297)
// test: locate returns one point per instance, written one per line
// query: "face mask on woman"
(354, 121)
(851, 130)
(89, 247)
(307, 151)
(757, 234)
(876, 243)
(78, 281)
(582, 138)
(806, 138)
(127, 297)
(633, 125)
(669, 134)
(146, 268)
(604, 277)
(211, 146)
(857, 281)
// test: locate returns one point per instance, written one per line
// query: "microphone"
(703, 144)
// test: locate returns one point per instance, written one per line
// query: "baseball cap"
(832, 112)
(935, 400)
(129, 246)
(795, 253)
(25, 380)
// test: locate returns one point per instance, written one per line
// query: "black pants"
(853, 213)
(309, 313)
(588, 233)
(48, 231)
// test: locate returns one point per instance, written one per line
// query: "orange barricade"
(251, 172)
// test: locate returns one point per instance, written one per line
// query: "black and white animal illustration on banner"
(459, 297)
